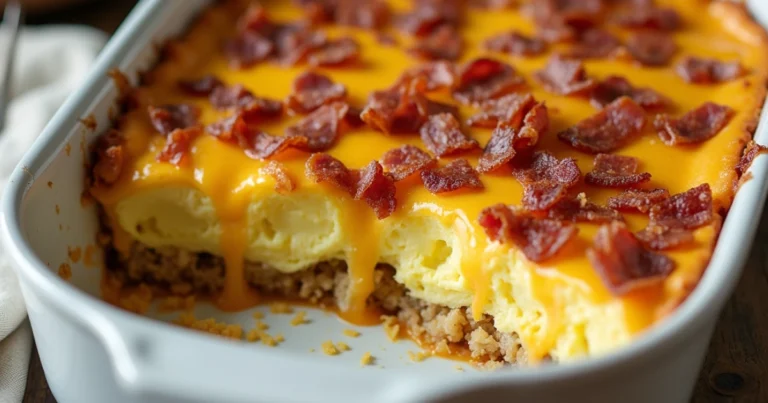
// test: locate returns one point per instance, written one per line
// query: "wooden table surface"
(736, 368)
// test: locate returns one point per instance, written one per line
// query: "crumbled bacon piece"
(516, 43)
(442, 136)
(751, 151)
(594, 44)
(661, 18)
(690, 209)
(377, 188)
(436, 75)
(614, 87)
(247, 49)
(201, 87)
(695, 126)
(444, 43)
(167, 118)
(236, 96)
(708, 71)
(510, 108)
(615, 171)
(663, 238)
(108, 157)
(519, 132)
(565, 77)
(493, 4)
(312, 90)
(260, 145)
(547, 180)
(578, 14)
(321, 167)
(608, 130)
(402, 108)
(177, 145)
(369, 14)
(456, 175)
(283, 182)
(260, 109)
(254, 19)
(322, 127)
(335, 52)
(538, 238)
(555, 30)
(651, 48)
(427, 15)
(405, 161)
(228, 129)
(370, 184)
(637, 199)
(578, 209)
(294, 44)
(483, 79)
(623, 262)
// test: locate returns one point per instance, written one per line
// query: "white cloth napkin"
(50, 62)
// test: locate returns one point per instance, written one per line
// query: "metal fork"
(11, 22)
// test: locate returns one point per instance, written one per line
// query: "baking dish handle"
(156, 361)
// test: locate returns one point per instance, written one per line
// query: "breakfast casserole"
(498, 180)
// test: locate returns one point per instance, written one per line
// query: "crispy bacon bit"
(456, 175)
(260, 109)
(260, 145)
(427, 15)
(283, 182)
(564, 77)
(247, 49)
(708, 71)
(622, 261)
(402, 108)
(513, 135)
(377, 188)
(230, 97)
(108, 157)
(335, 52)
(555, 31)
(483, 79)
(690, 209)
(321, 167)
(666, 19)
(444, 43)
(637, 199)
(695, 126)
(615, 171)
(614, 87)
(201, 87)
(510, 108)
(168, 118)
(436, 75)
(547, 180)
(322, 127)
(578, 209)
(578, 14)
(751, 151)
(228, 129)
(651, 48)
(594, 43)
(405, 161)
(662, 238)
(177, 145)
(312, 90)
(538, 238)
(516, 43)
(294, 44)
(493, 4)
(608, 130)
(254, 19)
(443, 136)
(370, 184)
(369, 14)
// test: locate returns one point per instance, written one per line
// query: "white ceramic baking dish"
(93, 352)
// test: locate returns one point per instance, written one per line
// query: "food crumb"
(418, 356)
(299, 319)
(459, 368)
(329, 348)
(442, 347)
(65, 271)
(280, 307)
(366, 359)
(279, 338)
(258, 315)
(343, 346)
(311, 350)
(261, 325)
(391, 327)
(210, 325)
(137, 300)
(351, 333)
(252, 335)
(50, 184)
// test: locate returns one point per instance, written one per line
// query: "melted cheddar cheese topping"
(223, 202)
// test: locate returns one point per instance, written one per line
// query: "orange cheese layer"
(232, 180)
